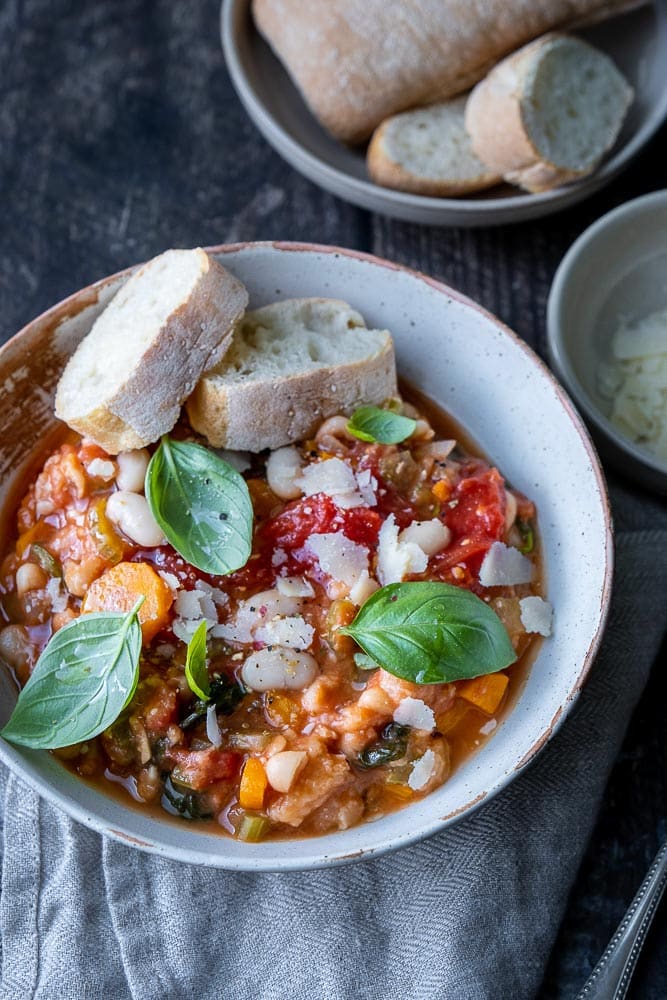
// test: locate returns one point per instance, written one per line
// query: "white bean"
(132, 467)
(431, 536)
(282, 470)
(29, 576)
(278, 668)
(132, 515)
(283, 767)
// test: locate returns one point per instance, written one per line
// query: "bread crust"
(148, 400)
(495, 121)
(358, 63)
(275, 411)
(384, 170)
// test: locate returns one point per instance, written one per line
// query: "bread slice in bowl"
(548, 113)
(291, 364)
(428, 151)
(172, 319)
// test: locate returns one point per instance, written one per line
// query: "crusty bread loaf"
(291, 365)
(358, 61)
(548, 113)
(172, 319)
(428, 151)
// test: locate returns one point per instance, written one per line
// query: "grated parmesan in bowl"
(634, 381)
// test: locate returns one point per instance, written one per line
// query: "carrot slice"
(253, 785)
(485, 693)
(118, 589)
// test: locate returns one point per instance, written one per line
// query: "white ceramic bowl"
(466, 360)
(617, 268)
(637, 42)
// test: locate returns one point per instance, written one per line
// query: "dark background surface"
(120, 136)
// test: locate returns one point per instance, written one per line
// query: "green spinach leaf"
(431, 633)
(202, 504)
(196, 671)
(82, 681)
(392, 745)
(370, 423)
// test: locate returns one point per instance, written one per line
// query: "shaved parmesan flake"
(339, 557)
(422, 771)
(396, 558)
(170, 579)
(335, 478)
(416, 713)
(364, 588)
(488, 727)
(195, 604)
(536, 615)
(212, 726)
(295, 633)
(294, 586)
(254, 613)
(101, 469)
(57, 595)
(504, 566)
(431, 536)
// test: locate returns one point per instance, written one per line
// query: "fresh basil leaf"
(82, 681)
(196, 672)
(369, 423)
(431, 633)
(225, 694)
(202, 504)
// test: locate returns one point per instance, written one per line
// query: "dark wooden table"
(120, 136)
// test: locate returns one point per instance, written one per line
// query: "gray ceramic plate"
(637, 42)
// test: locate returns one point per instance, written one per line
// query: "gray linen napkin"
(470, 914)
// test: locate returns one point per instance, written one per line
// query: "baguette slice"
(548, 113)
(291, 365)
(126, 381)
(358, 61)
(428, 152)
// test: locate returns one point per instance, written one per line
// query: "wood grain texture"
(121, 136)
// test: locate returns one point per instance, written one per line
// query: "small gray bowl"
(616, 269)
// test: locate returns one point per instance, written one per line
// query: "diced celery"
(252, 828)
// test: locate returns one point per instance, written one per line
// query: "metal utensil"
(611, 977)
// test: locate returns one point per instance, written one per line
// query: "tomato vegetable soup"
(274, 645)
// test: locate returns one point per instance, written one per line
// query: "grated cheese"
(504, 566)
(635, 381)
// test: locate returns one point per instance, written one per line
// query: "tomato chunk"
(200, 768)
(477, 508)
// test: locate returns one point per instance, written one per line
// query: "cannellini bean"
(282, 768)
(29, 576)
(276, 668)
(283, 468)
(132, 467)
(423, 431)
(333, 436)
(132, 515)
(510, 510)
(431, 536)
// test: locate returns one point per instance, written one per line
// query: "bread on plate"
(171, 320)
(291, 364)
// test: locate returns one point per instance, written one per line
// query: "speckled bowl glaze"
(615, 269)
(471, 364)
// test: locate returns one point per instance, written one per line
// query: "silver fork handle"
(611, 977)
